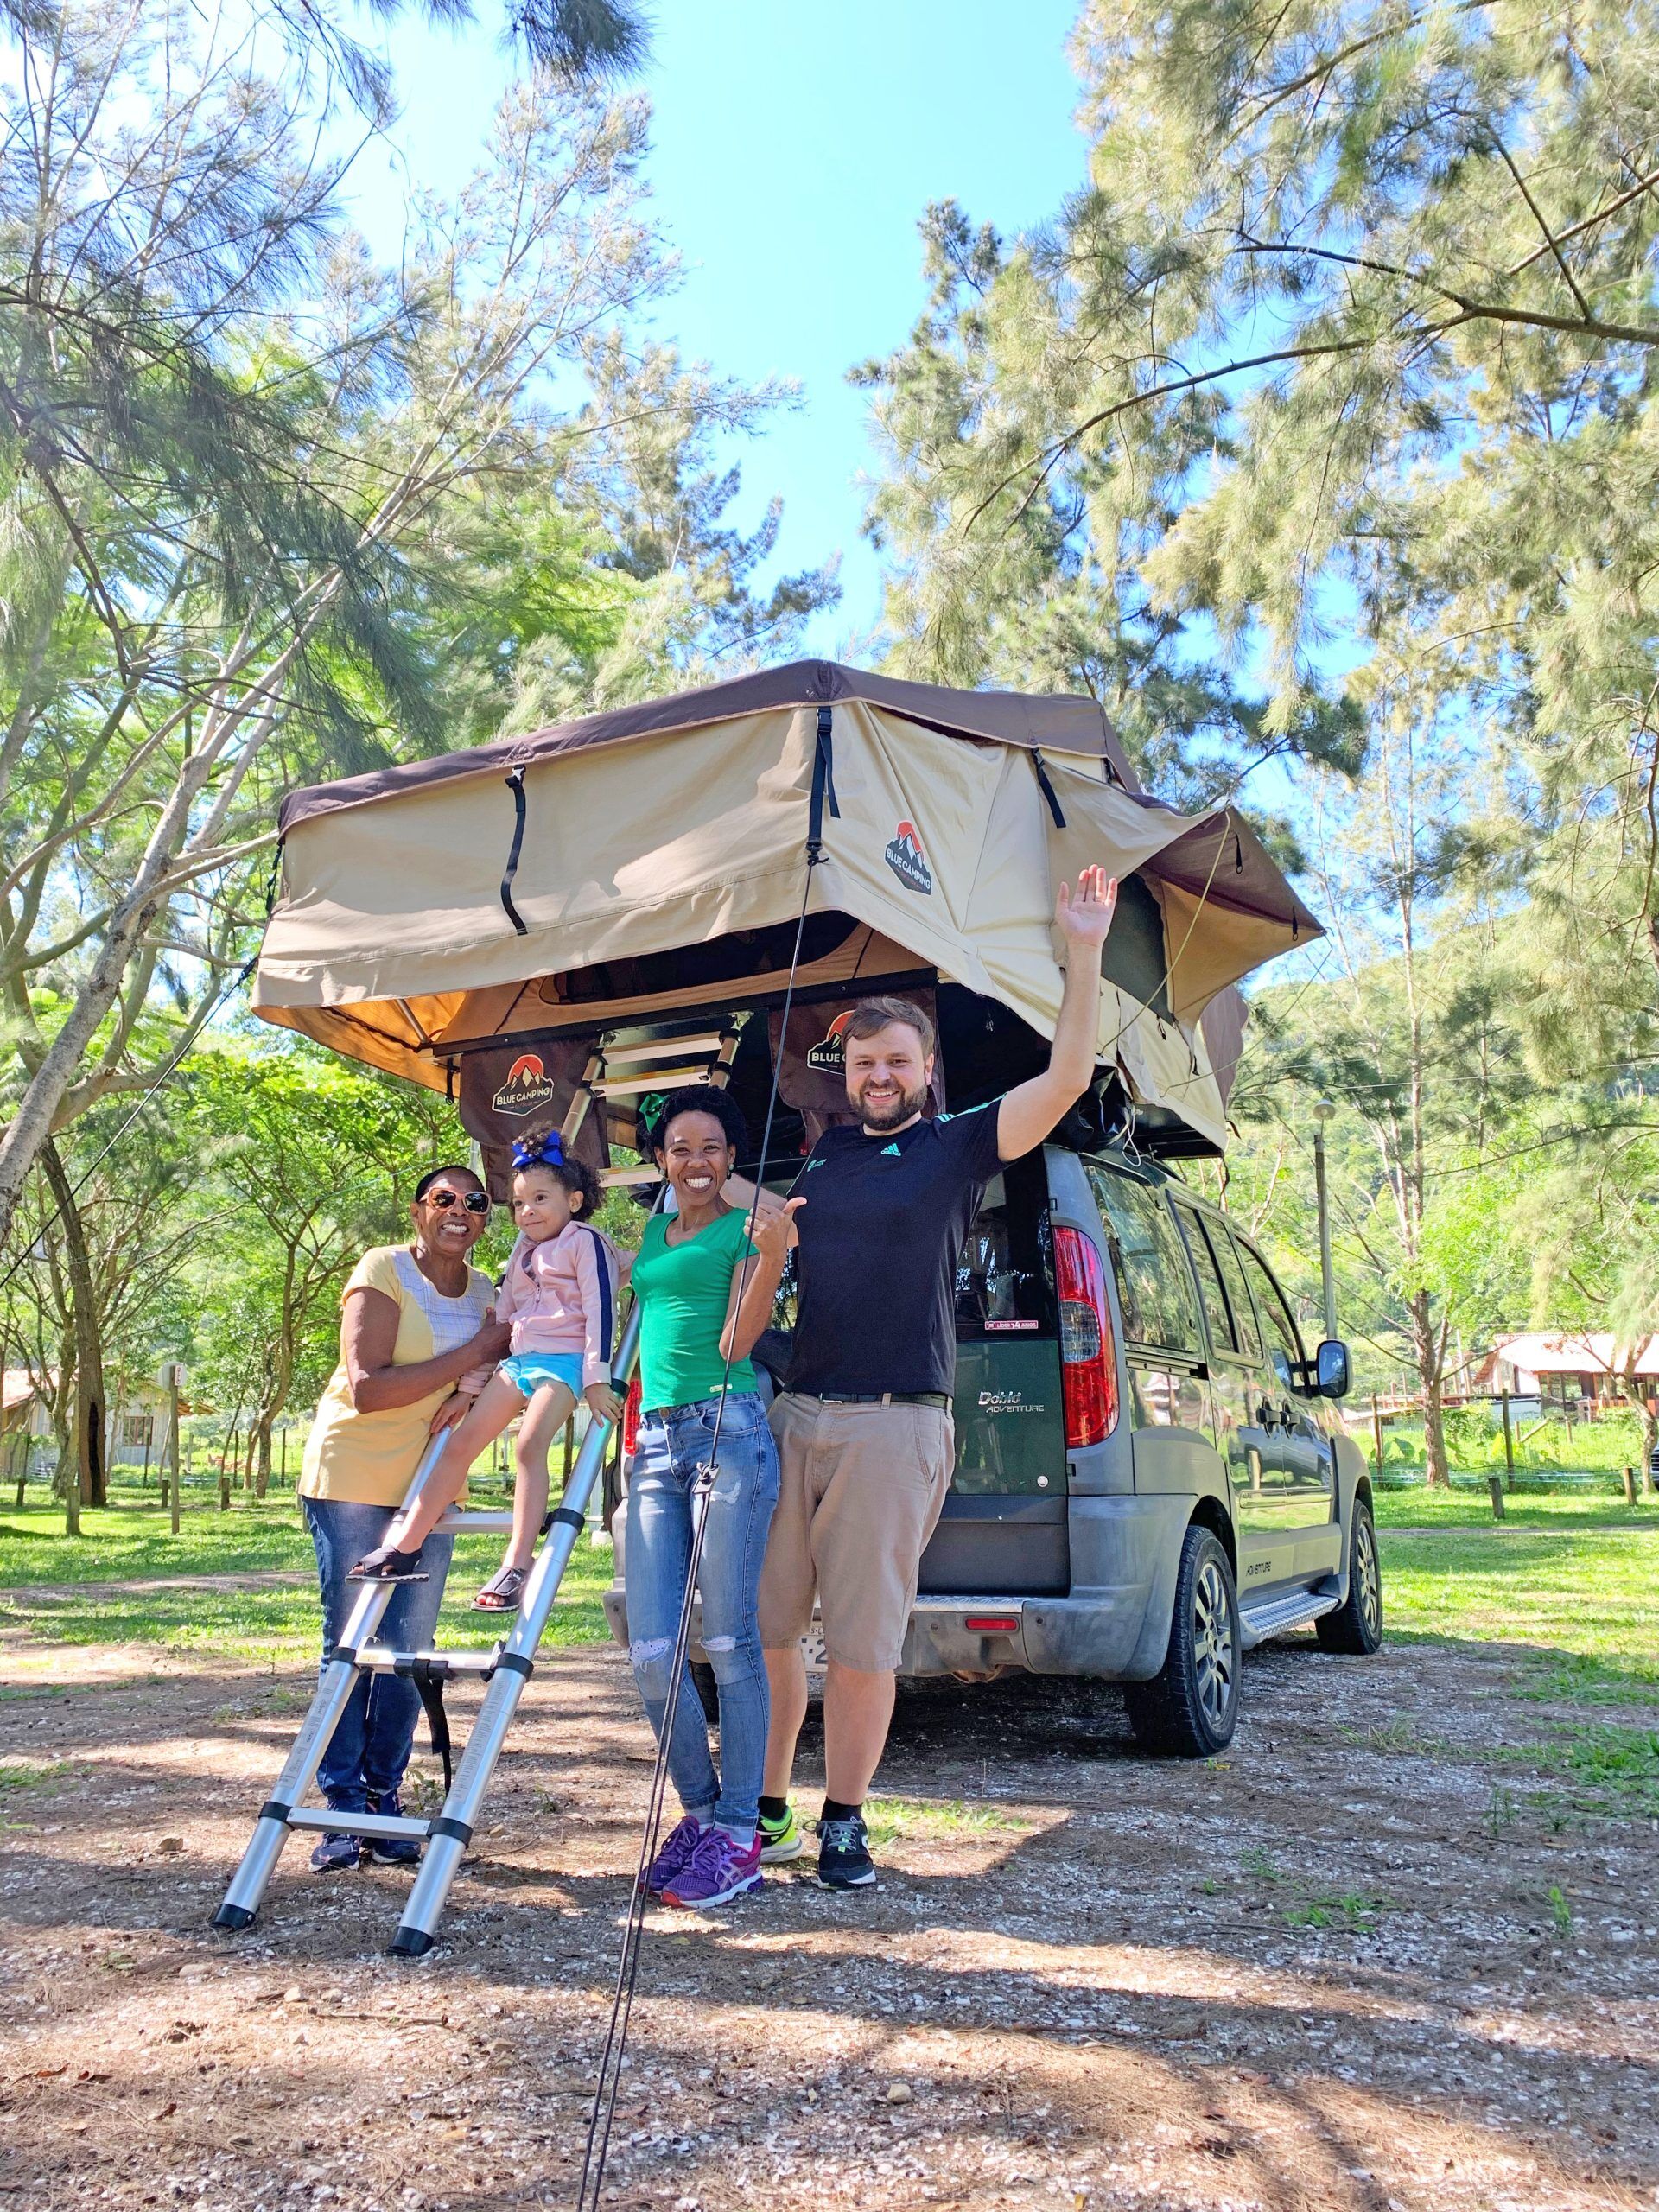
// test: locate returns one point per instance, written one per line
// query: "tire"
(707, 1690)
(1356, 1627)
(1189, 1708)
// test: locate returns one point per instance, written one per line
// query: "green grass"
(129, 1543)
(28, 1774)
(1351, 1913)
(1475, 1444)
(1574, 1575)
(925, 1822)
(1468, 1505)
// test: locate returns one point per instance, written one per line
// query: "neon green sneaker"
(779, 1840)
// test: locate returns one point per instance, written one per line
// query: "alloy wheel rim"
(1214, 1659)
(1370, 1594)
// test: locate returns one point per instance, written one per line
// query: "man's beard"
(904, 1109)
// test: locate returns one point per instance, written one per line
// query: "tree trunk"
(262, 1474)
(66, 1480)
(1429, 1352)
(90, 1405)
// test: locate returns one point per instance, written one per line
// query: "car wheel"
(1189, 1708)
(1356, 1624)
(707, 1690)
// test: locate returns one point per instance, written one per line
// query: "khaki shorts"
(860, 1489)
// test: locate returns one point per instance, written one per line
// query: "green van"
(1150, 1475)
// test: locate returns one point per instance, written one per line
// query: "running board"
(1257, 1623)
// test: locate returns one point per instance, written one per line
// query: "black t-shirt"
(881, 1233)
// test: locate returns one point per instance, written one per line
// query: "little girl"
(559, 1293)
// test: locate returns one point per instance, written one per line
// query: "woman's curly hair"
(657, 1112)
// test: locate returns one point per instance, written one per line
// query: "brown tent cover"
(549, 881)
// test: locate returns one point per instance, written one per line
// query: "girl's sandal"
(501, 1593)
(388, 1564)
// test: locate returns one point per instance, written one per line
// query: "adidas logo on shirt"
(891, 1151)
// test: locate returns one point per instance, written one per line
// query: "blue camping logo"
(528, 1085)
(907, 861)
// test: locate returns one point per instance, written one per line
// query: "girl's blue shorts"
(528, 1370)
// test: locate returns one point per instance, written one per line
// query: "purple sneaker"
(717, 1871)
(675, 1853)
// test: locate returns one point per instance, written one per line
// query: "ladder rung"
(380, 1657)
(632, 1086)
(612, 1178)
(663, 1048)
(453, 1521)
(325, 1818)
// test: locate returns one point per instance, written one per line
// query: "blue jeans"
(672, 1448)
(376, 1734)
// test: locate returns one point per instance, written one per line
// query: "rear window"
(1002, 1277)
(1154, 1286)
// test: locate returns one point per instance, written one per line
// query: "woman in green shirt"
(705, 1292)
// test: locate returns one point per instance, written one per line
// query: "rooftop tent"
(651, 859)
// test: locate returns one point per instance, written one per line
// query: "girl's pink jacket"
(561, 1296)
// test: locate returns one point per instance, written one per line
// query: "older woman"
(414, 1319)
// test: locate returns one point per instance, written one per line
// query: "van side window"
(1154, 1284)
(1238, 1291)
(1211, 1296)
(1275, 1315)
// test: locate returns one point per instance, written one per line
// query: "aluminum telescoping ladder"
(506, 1666)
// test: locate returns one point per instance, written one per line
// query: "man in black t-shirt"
(865, 1441)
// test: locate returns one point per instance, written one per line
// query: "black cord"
(616, 2034)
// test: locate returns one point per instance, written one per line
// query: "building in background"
(1574, 1373)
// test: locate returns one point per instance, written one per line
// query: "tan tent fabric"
(1061, 724)
(391, 941)
(1213, 932)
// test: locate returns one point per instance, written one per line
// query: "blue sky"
(795, 150)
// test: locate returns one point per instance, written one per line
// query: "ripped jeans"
(673, 1446)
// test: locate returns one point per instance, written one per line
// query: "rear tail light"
(1088, 1355)
(631, 1417)
(993, 1624)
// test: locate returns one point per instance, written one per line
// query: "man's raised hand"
(1083, 916)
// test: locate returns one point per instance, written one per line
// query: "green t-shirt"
(683, 1290)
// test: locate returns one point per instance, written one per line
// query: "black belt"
(941, 1398)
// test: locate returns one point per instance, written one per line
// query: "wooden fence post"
(1508, 1445)
(1377, 1430)
(1629, 1485)
(1495, 1487)
(173, 1442)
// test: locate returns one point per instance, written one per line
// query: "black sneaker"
(337, 1854)
(844, 1861)
(392, 1850)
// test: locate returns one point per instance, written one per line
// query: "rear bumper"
(1114, 1625)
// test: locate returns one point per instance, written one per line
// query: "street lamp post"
(1322, 1109)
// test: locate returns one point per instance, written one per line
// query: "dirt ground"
(1363, 1962)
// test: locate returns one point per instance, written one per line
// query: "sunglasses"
(443, 1199)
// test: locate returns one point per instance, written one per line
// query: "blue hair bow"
(539, 1152)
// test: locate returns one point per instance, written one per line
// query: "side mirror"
(1332, 1371)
